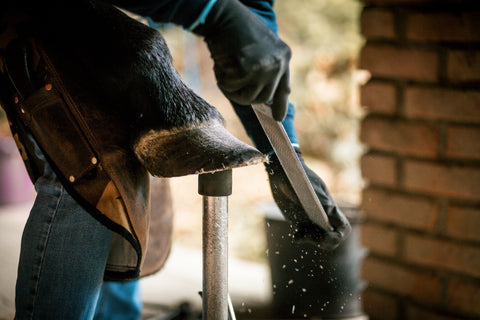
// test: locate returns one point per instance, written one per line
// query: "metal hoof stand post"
(215, 189)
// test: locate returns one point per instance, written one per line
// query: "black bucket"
(310, 282)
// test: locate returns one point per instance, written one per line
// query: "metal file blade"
(292, 166)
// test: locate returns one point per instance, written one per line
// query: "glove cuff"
(203, 16)
(212, 14)
(225, 18)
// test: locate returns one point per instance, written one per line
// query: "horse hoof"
(208, 147)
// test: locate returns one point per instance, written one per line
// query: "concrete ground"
(178, 282)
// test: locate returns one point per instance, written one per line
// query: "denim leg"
(119, 301)
(63, 255)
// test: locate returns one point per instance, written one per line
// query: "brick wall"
(422, 168)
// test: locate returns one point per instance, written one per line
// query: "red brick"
(378, 24)
(444, 180)
(463, 223)
(463, 65)
(400, 63)
(443, 254)
(379, 305)
(402, 280)
(463, 142)
(379, 97)
(379, 239)
(406, 211)
(377, 169)
(443, 104)
(464, 296)
(443, 27)
(403, 137)
(414, 312)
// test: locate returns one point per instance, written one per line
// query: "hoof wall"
(200, 149)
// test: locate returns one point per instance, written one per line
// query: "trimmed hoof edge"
(208, 147)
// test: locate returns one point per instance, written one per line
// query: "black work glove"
(250, 61)
(303, 229)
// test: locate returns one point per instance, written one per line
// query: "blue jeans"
(119, 301)
(63, 256)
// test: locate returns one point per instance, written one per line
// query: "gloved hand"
(250, 61)
(303, 229)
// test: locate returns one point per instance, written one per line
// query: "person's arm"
(251, 63)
